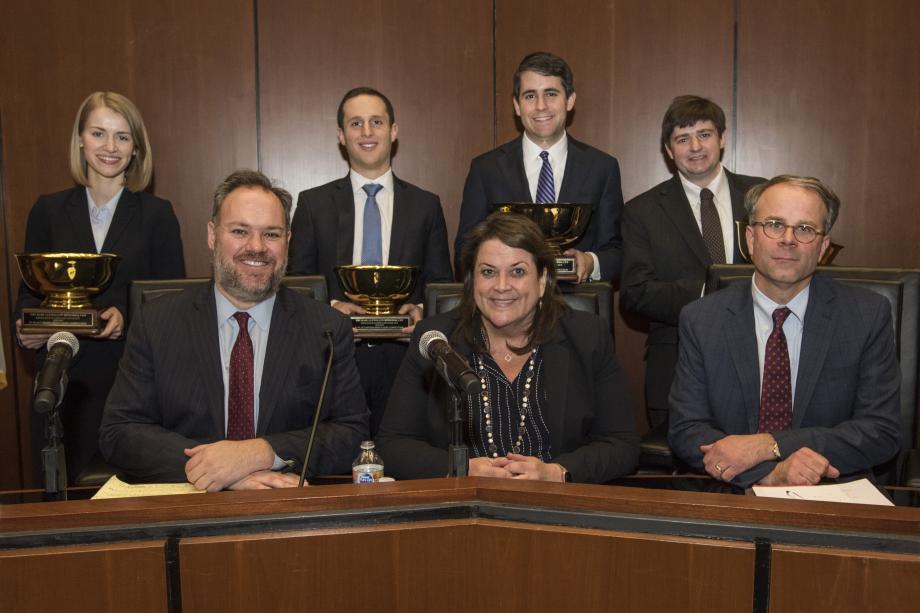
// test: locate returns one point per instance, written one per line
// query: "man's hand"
(31, 341)
(489, 467)
(215, 466)
(266, 480)
(114, 324)
(584, 263)
(802, 467)
(729, 457)
(413, 311)
(348, 308)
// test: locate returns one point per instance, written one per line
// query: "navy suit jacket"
(846, 404)
(591, 176)
(169, 392)
(323, 232)
(664, 268)
(587, 409)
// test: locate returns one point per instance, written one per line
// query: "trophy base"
(565, 269)
(380, 326)
(85, 322)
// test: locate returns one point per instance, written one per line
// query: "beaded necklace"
(523, 409)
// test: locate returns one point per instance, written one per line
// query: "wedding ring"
(719, 468)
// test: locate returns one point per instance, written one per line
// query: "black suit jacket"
(169, 392)
(144, 233)
(591, 176)
(589, 415)
(664, 268)
(322, 234)
(846, 404)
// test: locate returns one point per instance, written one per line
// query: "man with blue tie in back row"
(370, 217)
(546, 165)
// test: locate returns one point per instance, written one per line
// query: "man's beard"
(231, 281)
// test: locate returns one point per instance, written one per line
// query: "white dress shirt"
(100, 217)
(723, 201)
(792, 328)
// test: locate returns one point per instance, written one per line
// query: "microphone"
(51, 380)
(450, 364)
(319, 406)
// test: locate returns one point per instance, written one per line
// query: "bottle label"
(367, 473)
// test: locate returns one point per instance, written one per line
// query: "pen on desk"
(792, 494)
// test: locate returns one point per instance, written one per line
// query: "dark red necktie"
(240, 399)
(776, 393)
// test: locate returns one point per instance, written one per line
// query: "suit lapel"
(399, 227)
(512, 169)
(742, 345)
(556, 373)
(345, 212)
(275, 369)
(128, 206)
(575, 170)
(673, 201)
(78, 218)
(203, 325)
(817, 332)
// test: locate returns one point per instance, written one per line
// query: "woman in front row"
(553, 404)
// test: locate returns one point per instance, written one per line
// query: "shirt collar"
(261, 313)
(111, 204)
(532, 149)
(358, 181)
(797, 305)
(691, 188)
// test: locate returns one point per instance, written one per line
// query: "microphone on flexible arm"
(52, 378)
(319, 406)
(451, 365)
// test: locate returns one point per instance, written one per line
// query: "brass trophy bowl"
(562, 223)
(379, 290)
(741, 236)
(67, 281)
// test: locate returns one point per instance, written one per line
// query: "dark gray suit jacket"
(322, 234)
(846, 404)
(588, 412)
(664, 268)
(591, 176)
(169, 392)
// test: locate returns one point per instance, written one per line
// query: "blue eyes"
(269, 236)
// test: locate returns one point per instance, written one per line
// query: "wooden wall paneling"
(432, 60)
(189, 67)
(842, 581)
(110, 578)
(10, 452)
(832, 90)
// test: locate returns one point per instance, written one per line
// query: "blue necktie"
(546, 187)
(371, 250)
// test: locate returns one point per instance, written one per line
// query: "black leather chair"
(140, 292)
(97, 471)
(902, 289)
(595, 297)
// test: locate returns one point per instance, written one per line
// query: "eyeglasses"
(776, 229)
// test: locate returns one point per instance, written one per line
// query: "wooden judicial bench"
(467, 544)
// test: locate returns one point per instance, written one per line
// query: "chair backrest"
(140, 292)
(593, 297)
(901, 286)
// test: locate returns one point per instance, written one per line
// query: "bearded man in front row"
(218, 384)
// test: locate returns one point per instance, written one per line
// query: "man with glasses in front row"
(790, 378)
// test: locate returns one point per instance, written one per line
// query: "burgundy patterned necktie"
(711, 227)
(776, 393)
(240, 399)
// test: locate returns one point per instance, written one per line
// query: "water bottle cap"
(367, 444)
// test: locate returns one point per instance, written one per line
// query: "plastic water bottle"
(368, 466)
